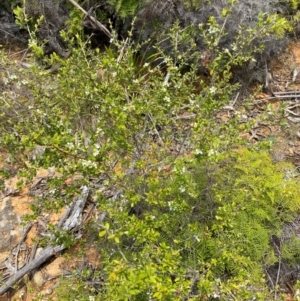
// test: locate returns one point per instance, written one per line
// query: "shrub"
(185, 217)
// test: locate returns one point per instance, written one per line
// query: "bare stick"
(99, 24)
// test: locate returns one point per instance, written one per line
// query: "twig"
(279, 268)
(10, 34)
(33, 252)
(122, 51)
(292, 113)
(167, 78)
(27, 229)
(236, 98)
(287, 93)
(155, 130)
(191, 116)
(269, 277)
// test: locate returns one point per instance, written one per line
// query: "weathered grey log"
(47, 253)
(67, 222)
(74, 218)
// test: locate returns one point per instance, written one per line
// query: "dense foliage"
(186, 210)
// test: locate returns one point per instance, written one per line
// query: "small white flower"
(70, 145)
(198, 152)
(213, 89)
(167, 99)
(13, 76)
(172, 206)
(96, 152)
(211, 152)
(182, 188)
(88, 163)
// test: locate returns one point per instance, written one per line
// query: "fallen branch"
(283, 95)
(99, 24)
(68, 222)
(47, 253)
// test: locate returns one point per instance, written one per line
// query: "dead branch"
(68, 222)
(47, 253)
(74, 218)
(284, 95)
(99, 24)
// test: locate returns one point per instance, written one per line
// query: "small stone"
(38, 279)
(47, 291)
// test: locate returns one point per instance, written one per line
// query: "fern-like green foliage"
(195, 4)
(255, 201)
(279, 25)
(125, 8)
(294, 4)
(291, 251)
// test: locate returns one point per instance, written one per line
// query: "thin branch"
(155, 130)
(279, 268)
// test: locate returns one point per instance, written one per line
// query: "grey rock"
(9, 221)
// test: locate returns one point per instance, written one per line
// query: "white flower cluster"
(88, 163)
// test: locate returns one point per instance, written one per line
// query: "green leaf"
(102, 233)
